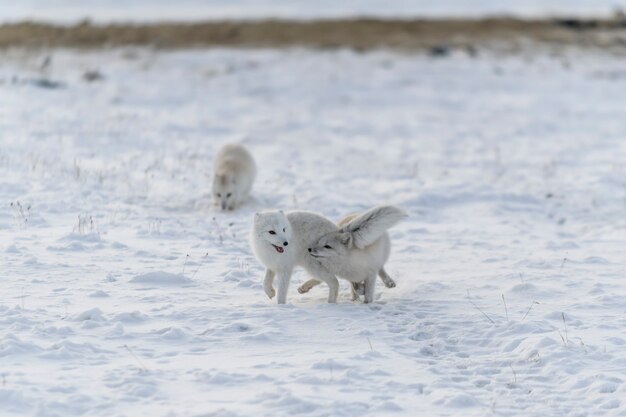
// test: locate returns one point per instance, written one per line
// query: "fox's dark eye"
(327, 247)
(271, 232)
(219, 195)
(228, 195)
(283, 229)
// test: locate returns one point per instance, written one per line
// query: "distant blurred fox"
(358, 251)
(234, 171)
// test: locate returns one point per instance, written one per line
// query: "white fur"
(294, 233)
(338, 252)
(358, 288)
(369, 226)
(234, 171)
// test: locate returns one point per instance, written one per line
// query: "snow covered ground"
(68, 11)
(125, 294)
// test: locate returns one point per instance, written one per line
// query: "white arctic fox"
(358, 288)
(358, 251)
(233, 174)
(280, 241)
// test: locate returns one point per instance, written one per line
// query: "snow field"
(125, 293)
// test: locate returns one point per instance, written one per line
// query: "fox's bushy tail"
(370, 226)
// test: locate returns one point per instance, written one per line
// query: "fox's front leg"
(319, 273)
(370, 285)
(306, 287)
(268, 283)
(283, 286)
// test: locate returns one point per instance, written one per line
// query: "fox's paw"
(390, 284)
(271, 292)
(303, 289)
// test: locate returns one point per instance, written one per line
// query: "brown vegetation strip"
(352, 33)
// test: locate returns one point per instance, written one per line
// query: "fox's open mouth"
(279, 249)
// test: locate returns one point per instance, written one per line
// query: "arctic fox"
(233, 174)
(358, 251)
(358, 288)
(280, 241)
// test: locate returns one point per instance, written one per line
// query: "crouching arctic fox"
(358, 251)
(233, 175)
(280, 241)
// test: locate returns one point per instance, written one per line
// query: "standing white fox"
(358, 251)
(233, 175)
(280, 241)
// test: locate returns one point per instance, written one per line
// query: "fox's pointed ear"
(346, 239)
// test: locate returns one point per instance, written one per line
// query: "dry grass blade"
(530, 308)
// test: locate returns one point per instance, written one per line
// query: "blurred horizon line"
(431, 34)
